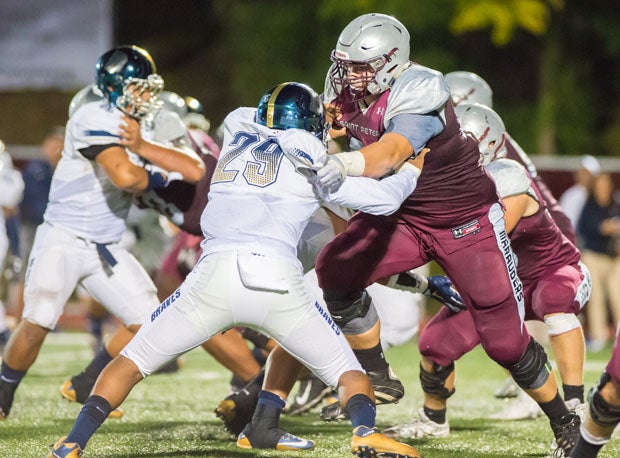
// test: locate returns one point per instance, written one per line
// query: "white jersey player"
(91, 192)
(263, 193)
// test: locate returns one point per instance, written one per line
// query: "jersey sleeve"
(94, 125)
(376, 197)
(168, 128)
(12, 186)
(511, 178)
(418, 90)
(303, 149)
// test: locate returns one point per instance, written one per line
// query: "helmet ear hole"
(292, 106)
(486, 126)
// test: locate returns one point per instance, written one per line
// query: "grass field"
(172, 415)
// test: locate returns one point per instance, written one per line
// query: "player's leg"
(603, 415)
(156, 344)
(498, 315)
(52, 275)
(370, 249)
(130, 295)
(437, 373)
(306, 330)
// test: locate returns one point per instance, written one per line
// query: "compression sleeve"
(417, 128)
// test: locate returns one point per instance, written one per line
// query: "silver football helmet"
(371, 51)
(172, 101)
(467, 87)
(486, 126)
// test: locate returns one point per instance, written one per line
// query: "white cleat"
(419, 427)
(521, 408)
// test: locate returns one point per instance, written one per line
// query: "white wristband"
(408, 166)
(353, 162)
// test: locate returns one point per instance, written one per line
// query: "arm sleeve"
(417, 128)
(91, 152)
(376, 197)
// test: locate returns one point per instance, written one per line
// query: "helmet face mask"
(127, 78)
(292, 106)
(369, 54)
(486, 126)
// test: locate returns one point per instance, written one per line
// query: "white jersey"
(82, 198)
(263, 190)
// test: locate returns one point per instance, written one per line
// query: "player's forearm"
(173, 160)
(385, 155)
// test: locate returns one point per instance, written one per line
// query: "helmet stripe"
(272, 103)
(146, 54)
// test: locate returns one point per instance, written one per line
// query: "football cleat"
(418, 428)
(387, 387)
(311, 391)
(78, 388)
(509, 389)
(7, 394)
(62, 449)
(236, 410)
(566, 432)
(521, 408)
(69, 393)
(333, 412)
(262, 437)
(370, 443)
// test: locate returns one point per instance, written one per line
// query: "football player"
(263, 192)
(603, 415)
(395, 108)
(108, 157)
(556, 286)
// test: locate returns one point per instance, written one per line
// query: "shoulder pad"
(510, 177)
(418, 90)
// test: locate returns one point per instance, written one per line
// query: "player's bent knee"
(532, 370)
(353, 315)
(435, 382)
(561, 323)
(601, 411)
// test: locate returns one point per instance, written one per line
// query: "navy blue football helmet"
(124, 74)
(292, 106)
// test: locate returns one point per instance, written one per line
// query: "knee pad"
(533, 368)
(601, 411)
(561, 323)
(354, 316)
(434, 382)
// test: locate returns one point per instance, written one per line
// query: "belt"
(104, 253)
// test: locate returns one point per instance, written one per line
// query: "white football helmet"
(371, 51)
(486, 126)
(467, 87)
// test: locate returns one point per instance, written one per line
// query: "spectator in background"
(574, 198)
(599, 230)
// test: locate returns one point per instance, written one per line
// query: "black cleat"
(236, 409)
(7, 394)
(333, 412)
(388, 388)
(566, 432)
(311, 391)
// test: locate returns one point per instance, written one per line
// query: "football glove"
(440, 288)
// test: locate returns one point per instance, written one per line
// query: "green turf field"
(172, 415)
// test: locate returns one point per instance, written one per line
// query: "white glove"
(338, 166)
(332, 174)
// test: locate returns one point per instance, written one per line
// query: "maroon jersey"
(453, 187)
(516, 153)
(182, 203)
